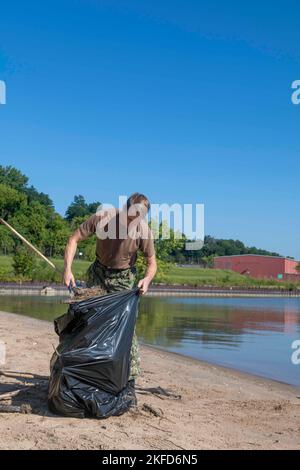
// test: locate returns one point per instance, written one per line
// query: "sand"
(209, 407)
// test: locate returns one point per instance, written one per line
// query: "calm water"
(253, 335)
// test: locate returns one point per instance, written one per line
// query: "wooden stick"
(24, 408)
(16, 374)
(5, 396)
(155, 411)
(30, 245)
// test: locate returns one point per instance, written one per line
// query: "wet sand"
(207, 407)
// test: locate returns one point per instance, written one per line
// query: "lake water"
(250, 334)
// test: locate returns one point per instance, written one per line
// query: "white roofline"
(262, 256)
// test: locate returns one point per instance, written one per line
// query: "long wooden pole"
(33, 248)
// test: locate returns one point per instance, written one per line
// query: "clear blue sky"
(186, 101)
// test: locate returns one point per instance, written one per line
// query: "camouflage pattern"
(111, 280)
(115, 280)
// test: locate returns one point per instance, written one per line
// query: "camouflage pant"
(114, 280)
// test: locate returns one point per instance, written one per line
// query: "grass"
(220, 278)
(43, 271)
(79, 267)
(174, 275)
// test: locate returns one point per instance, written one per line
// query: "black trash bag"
(90, 368)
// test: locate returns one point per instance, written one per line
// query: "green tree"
(162, 268)
(13, 178)
(31, 221)
(7, 243)
(33, 195)
(93, 207)
(221, 247)
(168, 243)
(208, 261)
(79, 208)
(10, 200)
(23, 262)
(88, 246)
(56, 234)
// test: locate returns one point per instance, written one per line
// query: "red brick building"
(260, 266)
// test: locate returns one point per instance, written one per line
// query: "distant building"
(260, 266)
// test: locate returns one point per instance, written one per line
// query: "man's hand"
(150, 273)
(69, 278)
(144, 285)
(70, 251)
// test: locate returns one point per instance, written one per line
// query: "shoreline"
(162, 290)
(219, 408)
(237, 372)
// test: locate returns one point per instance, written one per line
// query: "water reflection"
(251, 334)
(217, 320)
(36, 306)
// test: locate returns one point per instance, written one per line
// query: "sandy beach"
(196, 405)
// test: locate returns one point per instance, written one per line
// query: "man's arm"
(150, 273)
(70, 251)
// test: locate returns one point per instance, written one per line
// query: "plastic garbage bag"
(90, 367)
